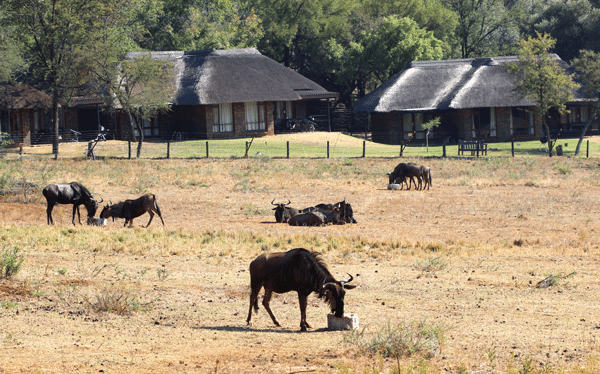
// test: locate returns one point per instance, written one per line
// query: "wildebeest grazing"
(315, 218)
(403, 171)
(406, 173)
(69, 193)
(283, 212)
(426, 171)
(130, 209)
(296, 270)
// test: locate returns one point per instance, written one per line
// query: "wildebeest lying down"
(315, 218)
(283, 212)
(296, 270)
(69, 193)
(338, 213)
(130, 209)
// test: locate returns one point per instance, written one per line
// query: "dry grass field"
(464, 256)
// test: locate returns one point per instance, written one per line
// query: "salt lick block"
(347, 322)
(393, 186)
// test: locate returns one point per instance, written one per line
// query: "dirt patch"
(496, 230)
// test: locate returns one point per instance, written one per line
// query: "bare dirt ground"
(498, 237)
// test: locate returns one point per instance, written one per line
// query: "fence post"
(587, 152)
(328, 149)
(512, 147)
(288, 149)
(129, 143)
(207, 149)
(444, 150)
(168, 149)
(364, 148)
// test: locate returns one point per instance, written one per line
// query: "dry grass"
(499, 226)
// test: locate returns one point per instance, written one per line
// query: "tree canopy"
(539, 78)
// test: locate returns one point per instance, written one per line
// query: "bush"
(395, 341)
(10, 262)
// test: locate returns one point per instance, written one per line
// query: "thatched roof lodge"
(231, 93)
(22, 111)
(474, 98)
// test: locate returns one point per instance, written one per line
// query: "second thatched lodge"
(474, 99)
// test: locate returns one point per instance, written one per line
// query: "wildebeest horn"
(328, 284)
(273, 202)
(101, 200)
(348, 281)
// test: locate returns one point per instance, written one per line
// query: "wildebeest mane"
(318, 276)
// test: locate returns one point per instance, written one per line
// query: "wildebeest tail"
(158, 210)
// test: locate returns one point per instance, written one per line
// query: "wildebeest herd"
(297, 270)
(76, 194)
(318, 215)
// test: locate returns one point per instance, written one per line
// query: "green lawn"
(306, 145)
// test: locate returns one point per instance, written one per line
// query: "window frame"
(218, 117)
(260, 124)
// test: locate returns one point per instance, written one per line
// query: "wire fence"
(282, 148)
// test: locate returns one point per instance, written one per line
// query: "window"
(222, 118)
(412, 126)
(151, 127)
(521, 121)
(256, 116)
(484, 122)
(577, 114)
(36, 121)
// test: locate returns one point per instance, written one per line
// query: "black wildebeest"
(69, 193)
(314, 218)
(403, 171)
(296, 270)
(283, 212)
(130, 209)
(426, 171)
(346, 214)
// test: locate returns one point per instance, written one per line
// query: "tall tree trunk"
(55, 124)
(585, 128)
(547, 130)
(141, 140)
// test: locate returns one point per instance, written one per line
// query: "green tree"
(12, 61)
(484, 26)
(539, 78)
(57, 37)
(398, 41)
(428, 126)
(380, 53)
(141, 86)
(183, 25)
(588, 67)
(574, 25)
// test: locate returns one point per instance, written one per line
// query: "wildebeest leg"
(76, 209)
(49, 213)
(151, 216)
(303, 302)
(266, 300)
(253, 302)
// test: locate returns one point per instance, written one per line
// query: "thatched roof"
(21, 96)
(233, 76)
(449, 84)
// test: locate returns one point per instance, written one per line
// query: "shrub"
(10, 262)
(395, 341)
(118, 302)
